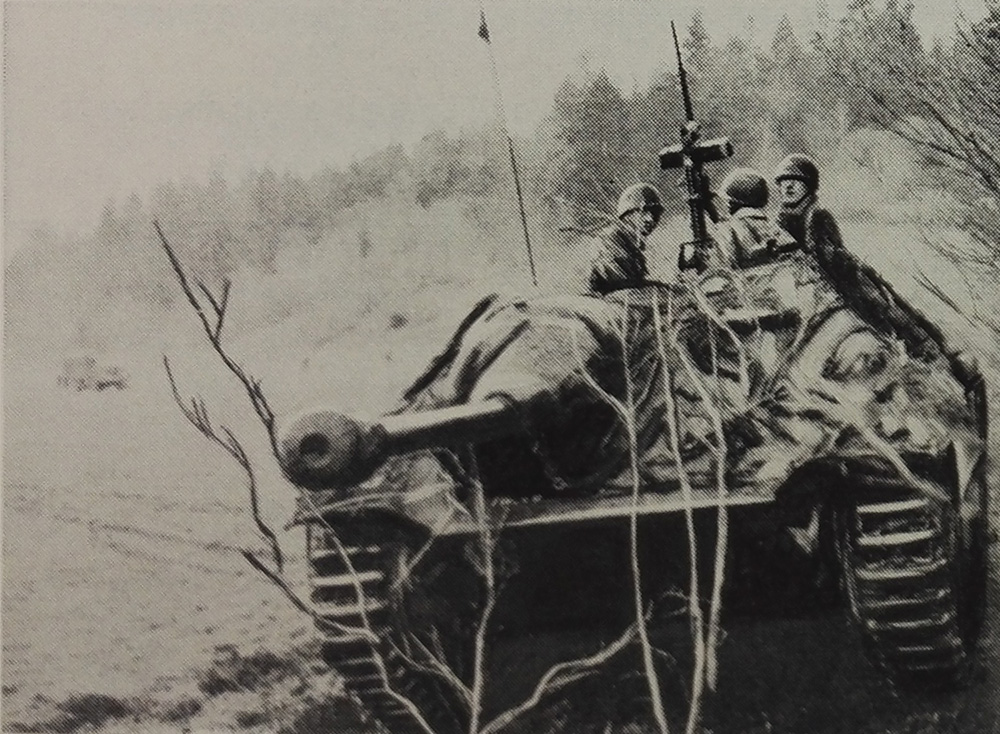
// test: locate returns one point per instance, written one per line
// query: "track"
(374, 671)
(907, 583)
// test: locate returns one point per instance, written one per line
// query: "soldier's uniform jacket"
(749, 238)
(861, 286)
(618, 260)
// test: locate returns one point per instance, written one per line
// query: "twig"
(647, 653)
(278, 581)
(197, 415)
(722, 513)
(487, 547)
(366, 624)
(570, 668)
(214, 332)
(439, 667)
(694, 595)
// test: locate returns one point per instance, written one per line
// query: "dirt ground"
(127, 606)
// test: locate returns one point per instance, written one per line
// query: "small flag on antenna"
(484, 30)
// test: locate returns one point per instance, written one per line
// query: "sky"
(101, 99)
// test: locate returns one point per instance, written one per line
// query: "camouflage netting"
(772, 355)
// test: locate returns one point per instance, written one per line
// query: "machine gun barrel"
(326, 449)
(691, 155)
(682, 76)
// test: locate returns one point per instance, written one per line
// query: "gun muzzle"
(325, 449)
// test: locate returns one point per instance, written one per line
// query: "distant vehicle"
(86, 373)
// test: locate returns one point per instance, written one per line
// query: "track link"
(350, 595)
(903, 577)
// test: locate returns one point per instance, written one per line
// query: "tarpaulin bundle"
(763, 370)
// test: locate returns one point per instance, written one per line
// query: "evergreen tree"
(594, 157)
(266, 218)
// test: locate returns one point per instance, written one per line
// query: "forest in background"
(894, 122)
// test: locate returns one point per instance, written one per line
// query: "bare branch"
(646, 648)
(197, 415)
(278, 581)
(935, 290)
(559, 675)
(218, 306)
(437, 666)
(264, 529)
(487, 542)
(208, 294)
(366, 624)
(712, 634)
(221, 310)
(321, 622)
(698, 636)
(213, 332)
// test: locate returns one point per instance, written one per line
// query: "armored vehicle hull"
(563, 452)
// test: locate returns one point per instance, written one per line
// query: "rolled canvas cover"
(761, 370)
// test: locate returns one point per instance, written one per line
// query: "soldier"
(861, 286)
(619, 259)
(748, 237)
(797, 177)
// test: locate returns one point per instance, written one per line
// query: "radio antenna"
(484, 33)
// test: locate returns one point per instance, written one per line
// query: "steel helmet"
(746, 187)
(801, 167)
(639, 196)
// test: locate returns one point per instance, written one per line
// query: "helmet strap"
(802, 202)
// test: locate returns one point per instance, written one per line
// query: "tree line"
(870, 68)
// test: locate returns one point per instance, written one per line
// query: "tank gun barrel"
(325, 449)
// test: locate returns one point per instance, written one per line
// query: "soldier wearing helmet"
(861, 286)
(797, 177)
(619, 259)
(748, 237)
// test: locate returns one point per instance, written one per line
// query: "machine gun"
(691, 154)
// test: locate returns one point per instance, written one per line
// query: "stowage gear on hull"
(772, 357)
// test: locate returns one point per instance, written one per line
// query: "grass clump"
(232, 672)
(80, 710)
